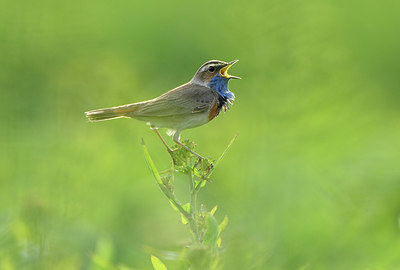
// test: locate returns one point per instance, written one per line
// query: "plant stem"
(170, 170)
(193, 202)
(175, 202)
(190, 217)
(171, 197)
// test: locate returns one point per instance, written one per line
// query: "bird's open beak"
(224, 71)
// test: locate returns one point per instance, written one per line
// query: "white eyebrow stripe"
(204, 68)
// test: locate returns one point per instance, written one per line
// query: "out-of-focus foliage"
(204, 248)
(312, 182)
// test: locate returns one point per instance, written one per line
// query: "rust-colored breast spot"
(213, 111)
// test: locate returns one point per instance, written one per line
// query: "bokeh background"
(312, 182)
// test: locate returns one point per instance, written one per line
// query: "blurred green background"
(312, 182)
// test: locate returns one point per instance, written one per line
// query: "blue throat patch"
(220, 84)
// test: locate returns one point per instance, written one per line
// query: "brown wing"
(185, 99)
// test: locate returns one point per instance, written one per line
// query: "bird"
(190, 105)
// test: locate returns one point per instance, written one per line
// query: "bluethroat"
(190, 105)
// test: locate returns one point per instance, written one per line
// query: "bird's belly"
(194, 120)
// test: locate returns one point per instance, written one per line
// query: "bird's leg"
(176, 139)
(163, 141)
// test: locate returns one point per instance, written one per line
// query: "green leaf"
(203, 183)
(188, 208)
(200, 184)
(223, 224)
(151, 164)
(226, 149)
(157, 263)
(184, 220)
(174, 207)
(212, 231)
(212, 212)
(219, 242)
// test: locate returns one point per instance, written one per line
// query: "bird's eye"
(211, 69)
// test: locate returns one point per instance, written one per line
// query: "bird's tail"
(112, 113)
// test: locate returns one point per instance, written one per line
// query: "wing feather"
(185, 99)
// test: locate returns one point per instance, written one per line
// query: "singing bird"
(190, 105)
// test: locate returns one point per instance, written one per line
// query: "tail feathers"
(101, 114)
(110, 113)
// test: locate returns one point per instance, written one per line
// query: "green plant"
(204, 250)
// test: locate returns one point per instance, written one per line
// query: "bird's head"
(214, 74)
(213, 69)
